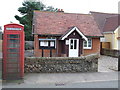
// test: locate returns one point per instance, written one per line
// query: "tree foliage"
(26, 11)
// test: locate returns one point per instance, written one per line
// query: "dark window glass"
(13, 55)
(85, 44)
(89, 43)
(13, 60)
(75, 44)
(13, 41)
(13, 70)
(13, 50)
(12, 45)
(13, 36)
(12, 65)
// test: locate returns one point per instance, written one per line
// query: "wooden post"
(42, 53)
(50, 52)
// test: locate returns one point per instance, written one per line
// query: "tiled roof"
(100, 18)
(111, 24)
(47, 23)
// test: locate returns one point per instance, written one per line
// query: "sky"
(8, 8)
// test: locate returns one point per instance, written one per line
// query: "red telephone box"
(13, 51)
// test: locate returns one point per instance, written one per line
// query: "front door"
(73, 47)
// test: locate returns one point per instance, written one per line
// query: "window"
(47, 43)
(13, 36)
(87, 44)
(71, 47)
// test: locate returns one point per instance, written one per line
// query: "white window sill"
(87, 47)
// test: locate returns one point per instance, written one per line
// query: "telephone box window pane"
(13, 45)
(13, 50)
(13, 36)
(13, 55)
(12, 65)
(13, 41)
(13, 70)
(75, 44)
(13, 60)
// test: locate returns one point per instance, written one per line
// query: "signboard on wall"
(67, 42)
(102, 39)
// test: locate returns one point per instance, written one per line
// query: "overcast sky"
(8, 8)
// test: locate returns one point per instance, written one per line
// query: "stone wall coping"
(86, 58)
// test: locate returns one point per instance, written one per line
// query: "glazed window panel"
(13, 50)
(71, 44)
(13, 55)
(44, 43)
(12, 45)
(52, 43)
(47, 43)
(75, 44)
(13, 36)
(13, 41)
(87, 44)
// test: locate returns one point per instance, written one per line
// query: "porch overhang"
(64, 36)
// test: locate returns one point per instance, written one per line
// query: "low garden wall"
(61, 64)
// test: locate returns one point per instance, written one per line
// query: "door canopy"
(72, 30)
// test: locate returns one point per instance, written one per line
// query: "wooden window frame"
(87, 47)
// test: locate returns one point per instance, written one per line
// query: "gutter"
(94, 36)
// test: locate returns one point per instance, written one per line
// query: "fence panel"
(110, 52)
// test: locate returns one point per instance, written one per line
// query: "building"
(111, 32)
(58, 34)
(109, 26)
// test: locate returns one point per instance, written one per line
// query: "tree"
(27, 15)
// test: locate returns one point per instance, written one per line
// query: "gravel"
(107, 64)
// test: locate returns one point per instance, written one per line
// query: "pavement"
(55, 80)
(65, 78)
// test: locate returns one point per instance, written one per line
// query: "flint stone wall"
(61, 64)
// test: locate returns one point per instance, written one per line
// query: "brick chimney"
(60, 10)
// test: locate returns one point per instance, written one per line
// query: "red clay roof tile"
(47, 23)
